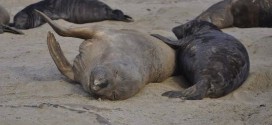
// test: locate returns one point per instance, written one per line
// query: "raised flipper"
(56, 53)
(6, 28)
(173, 44)
(83, 33)
(195, 92)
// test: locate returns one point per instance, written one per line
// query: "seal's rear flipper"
(83, 33)
(173, 44)
(56, 53)
(119, 15)
(11, 30)
(128, 18)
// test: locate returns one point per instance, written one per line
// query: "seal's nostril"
(103, 85)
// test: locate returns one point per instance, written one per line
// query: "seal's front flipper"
(173, 44)
(162, 38)
(189, 94)
(195, 92)
(56, 53)
(173, 94)
(11, 30)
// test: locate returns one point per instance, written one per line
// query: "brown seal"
(4, 21)
(113, 64)
(213, 62)
(75, 11)
(239, 13)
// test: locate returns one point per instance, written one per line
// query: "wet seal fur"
(113, 64)
(213, 62)
(239, 13)
(4, 21)
(75, 11)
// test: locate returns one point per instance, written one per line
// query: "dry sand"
(33, 92)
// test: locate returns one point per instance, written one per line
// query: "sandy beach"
(33, 92)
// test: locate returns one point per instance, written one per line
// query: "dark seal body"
(75, 11)
(4, 21)
(239, 13)
(113, 64)
(213, 62)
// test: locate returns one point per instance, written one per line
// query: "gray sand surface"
(33, 92)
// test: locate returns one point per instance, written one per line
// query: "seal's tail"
(56, 53)
(83, 33)
(7, 28)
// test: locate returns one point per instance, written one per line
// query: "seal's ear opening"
(119, 15)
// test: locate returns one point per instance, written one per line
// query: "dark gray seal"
(4, 21)
(239, 13)
(213, 62)
(113, 64)
(75, 11)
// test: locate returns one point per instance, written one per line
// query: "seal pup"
(239, 13)
(4, 21)
(112, 64)
(213, 62)
(75, 11)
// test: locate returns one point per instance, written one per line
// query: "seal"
(75, 11)
(4, 21)
(213, 62)
(112, 64)
(239, 13)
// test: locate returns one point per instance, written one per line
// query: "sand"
(33, 92)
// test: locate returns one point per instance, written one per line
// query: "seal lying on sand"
(75, 11)
(239, 13)
(113, 64)
(214, 62)
(4, 21)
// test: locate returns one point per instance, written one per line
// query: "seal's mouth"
(114, 95)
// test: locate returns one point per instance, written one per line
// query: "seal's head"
(120, 16)
(103, 82)
(193, 27)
